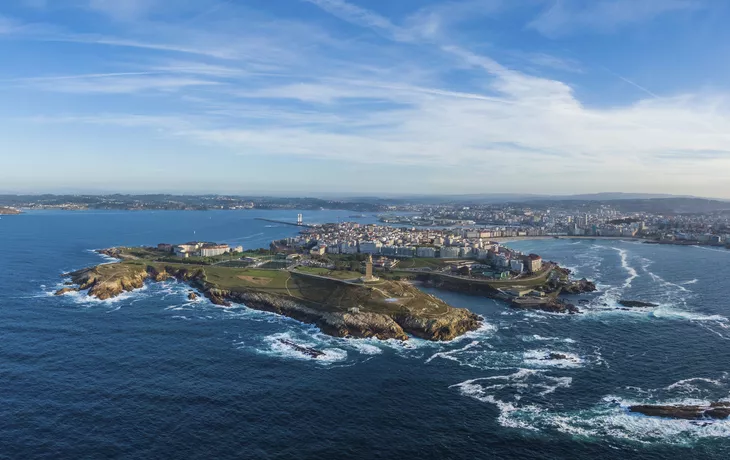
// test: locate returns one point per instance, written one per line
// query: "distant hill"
(675, 205)
(496, 198)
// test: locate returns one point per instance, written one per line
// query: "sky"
(365, 96)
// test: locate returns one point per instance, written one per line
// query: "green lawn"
(422, 262)
(337, 274)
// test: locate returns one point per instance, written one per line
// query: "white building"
(425, 251)
(348, 248)
(449, 252)
(370, 247)
(516, 266)
(214, 250)
(502, 261)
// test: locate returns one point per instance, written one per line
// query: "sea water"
(152, 374)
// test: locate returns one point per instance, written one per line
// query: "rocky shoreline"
(6, 211)
(110, 280)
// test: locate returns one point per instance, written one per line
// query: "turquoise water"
(153, 375)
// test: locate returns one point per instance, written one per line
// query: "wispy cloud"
(416, 94)
(564, 17)
(116, 83)
(553, 62)
(123, 9)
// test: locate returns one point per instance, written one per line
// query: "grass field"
(422, 262)
(337, 274)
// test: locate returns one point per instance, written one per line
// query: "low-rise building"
(533, 263)
(370, 247)
(449, 252)
(212, 250)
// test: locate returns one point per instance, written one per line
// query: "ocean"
(154, 375)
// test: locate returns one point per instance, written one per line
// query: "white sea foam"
(691, 384)
(449, 354)
(694, 281)
(608, 419)
(275, 347)
(82, 298)
(539, 338)
(633, 274)
(107, 259)
(542, 358)
(705, 248)
(366, 348)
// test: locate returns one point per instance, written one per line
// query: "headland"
(343, 299)
(341, 305)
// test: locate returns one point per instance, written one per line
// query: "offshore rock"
(309, 351)
(192, 295)
(65, 290)
(715, 411)
(548, 304)
(636, 304)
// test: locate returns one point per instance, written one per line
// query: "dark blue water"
(152, 375)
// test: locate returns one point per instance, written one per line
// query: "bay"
(153, 375)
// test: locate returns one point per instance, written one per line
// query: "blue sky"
(365, 96)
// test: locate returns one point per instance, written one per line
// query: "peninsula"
(4, 210)
(343, 304)
(350, 295)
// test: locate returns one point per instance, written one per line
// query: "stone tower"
(369, 268)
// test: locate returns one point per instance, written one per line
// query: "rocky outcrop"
(109, 280)
(309, 351)
(65, 290)
(158, 275)
(579, 287)
(715, 411)
(192, 295)
(454, 323)
(339, 324)
(636, 304)
(548, 304)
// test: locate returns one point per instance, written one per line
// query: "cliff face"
(391, 311)
(107, 281)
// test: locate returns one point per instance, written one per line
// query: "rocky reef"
(714, 411)
(548, 304)
(636, 304)
(387, 310)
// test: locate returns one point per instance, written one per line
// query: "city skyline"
(325, 96)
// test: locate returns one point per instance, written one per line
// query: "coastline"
(512, 239)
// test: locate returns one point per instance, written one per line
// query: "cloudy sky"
(378, 96)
